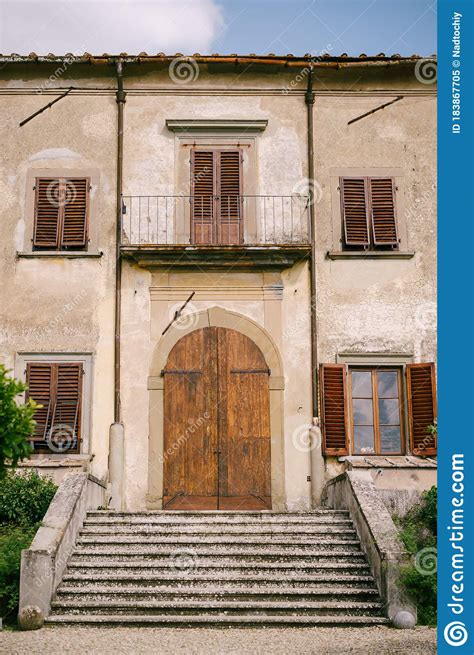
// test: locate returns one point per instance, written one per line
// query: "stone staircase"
(218, 568)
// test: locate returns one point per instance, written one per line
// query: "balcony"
(215, 230)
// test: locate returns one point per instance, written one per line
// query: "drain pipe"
(309, 100)
(120, 97)
(116, 434)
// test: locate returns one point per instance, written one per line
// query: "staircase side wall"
(43, 564)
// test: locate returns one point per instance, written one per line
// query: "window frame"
(336, 249)
(86, 359)
(25, 245)
(373, 369)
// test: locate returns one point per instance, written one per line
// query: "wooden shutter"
(67, 406)
(421, 389)
(229, 194)
(61, 213)
(39, 378)
(47, 210)
(203, 196)
(332, 384)
(76, 205)
(354, 211)
(382, 211)
(58, 388)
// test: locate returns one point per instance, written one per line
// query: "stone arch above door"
(214, 317)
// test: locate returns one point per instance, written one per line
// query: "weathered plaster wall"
(362, 305)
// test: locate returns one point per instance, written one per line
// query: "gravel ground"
(140, 641)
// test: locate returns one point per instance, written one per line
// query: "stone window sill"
(59, 254)
(388, 461)
(369, 254)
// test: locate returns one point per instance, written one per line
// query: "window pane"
(363, 440)
(361, 384)
(363, 412)
(387, 384)
(389, 413)
(390, 439)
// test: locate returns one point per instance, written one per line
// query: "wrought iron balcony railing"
(215, 220)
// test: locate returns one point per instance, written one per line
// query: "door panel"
(190, 407)
(217, 423)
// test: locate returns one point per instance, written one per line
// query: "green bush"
(16, 421)
(418, 532)
(24, 499)
(12, 541)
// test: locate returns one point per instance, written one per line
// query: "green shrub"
(24, 498)
(418, 532)
(16, 421)
(12, 541)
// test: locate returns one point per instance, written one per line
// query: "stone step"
(216, 566)
(204, 619)
(124, 607)
(105, 552)
(214, 591)
(217, 518)
(218, 530)
(245, 540)
(187, 577)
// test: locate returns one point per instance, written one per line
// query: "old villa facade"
(219, 275)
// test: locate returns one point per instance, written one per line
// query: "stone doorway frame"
(215, 317)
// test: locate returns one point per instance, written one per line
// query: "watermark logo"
(60, 199)
(184, 561)
(61, 438)
(304, 438)
(426, 561)
(426, 71)
(310, 190)
(455, 633)
(184, 319)
(183, 70)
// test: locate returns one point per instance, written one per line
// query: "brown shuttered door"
(421, 389)
(203, 210)
(58, 388)
(382, 203)
(334, 409)
(354, 211)
(47, 203)
(61, 213)
(229, 226)
(76, 205)
(216, 423)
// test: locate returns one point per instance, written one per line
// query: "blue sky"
(225, 26)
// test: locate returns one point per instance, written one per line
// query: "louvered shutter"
(332, 384)
(39, 378)
(203, 196)
(47, 213)
(229, 197)
(382, 211)
(421, 389)
(67, 408)
(354, 211)
(76, 205)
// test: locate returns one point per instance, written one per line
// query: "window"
(375, 408)
(216, 196)
(368, 213)
(57, 389)
(61, 213)
(363, 410)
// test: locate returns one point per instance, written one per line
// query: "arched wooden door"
(216, 451)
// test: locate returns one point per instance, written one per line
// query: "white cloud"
(112, 26)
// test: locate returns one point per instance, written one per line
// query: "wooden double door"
(217, 446)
